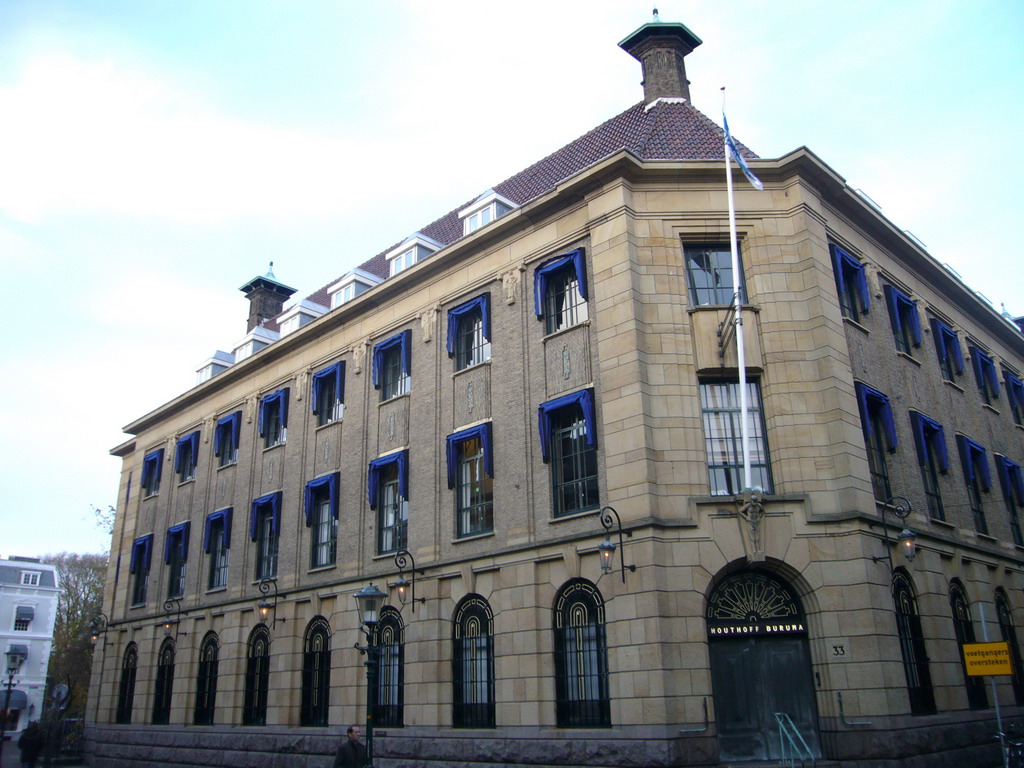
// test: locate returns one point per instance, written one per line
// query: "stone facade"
(645, 348)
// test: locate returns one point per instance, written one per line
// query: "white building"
(29, 592)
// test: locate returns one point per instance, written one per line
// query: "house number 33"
(838, 650)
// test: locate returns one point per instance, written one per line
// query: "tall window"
(985, 375)
(947, 345)
(216, 543)
(225, 439)
(851, 283)
(257, 677)
(560, 291)
(964, 628)
(23, 616)
(206, 680)
(470, 473)
(264, 529)
(473, 664)
(186, 456)
(392, 363)
(152, 468)
(175, 556)
(328, 400)
(316, 673)
(932, 458)
(709, 275)
(142, 549)
(915, 659)
(1012, 482)
(164, 683)
(568, 441)
(974, 460)
(906, 323)
(1009, 635)
(879, 436)
(581, 658)
(274, 418)
(322, 519)
(723, 437)
(469, 332)
(388, 486)
(1014, 396)
(126, 689)
(390, 679)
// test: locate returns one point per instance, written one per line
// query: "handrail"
(706, 721)
(842, 715)
(789, 735)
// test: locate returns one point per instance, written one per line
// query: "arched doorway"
(760, 665)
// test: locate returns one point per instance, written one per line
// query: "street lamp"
(15, 658)
(611, 521)
(369, 601)
(906, 541)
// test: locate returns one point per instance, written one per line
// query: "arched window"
(126, 691)
(473, 664)
(964, 628)
(1009, 633)
(206, 681)
(257, 677)
(391, 672)
(164, 683)
(915, 660)
(581, 657)
(316, 673)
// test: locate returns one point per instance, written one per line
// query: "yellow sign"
(987, 659)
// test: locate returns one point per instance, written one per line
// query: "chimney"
(266, 298)
(660, 48)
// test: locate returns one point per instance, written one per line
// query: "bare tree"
(81, 579)
(105, 518)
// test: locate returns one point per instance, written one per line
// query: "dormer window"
(485, 209)
(415, 248)
(210, 367)
(351, 285)
(258, 338)
(302, 314)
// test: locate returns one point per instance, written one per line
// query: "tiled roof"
(669, 130)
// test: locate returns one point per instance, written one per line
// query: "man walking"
(351, 752)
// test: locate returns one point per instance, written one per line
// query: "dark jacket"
(351, 754)
(31, 744)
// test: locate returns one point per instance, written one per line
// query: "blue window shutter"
(543, 273)
(373, 475)
(929, 431)
(280, 397)
(481, 304)
(483, 432)
(213, 517)
(1010, 479)
(400, 340)
(271, 501)
(843, 262)
(152, 466)
(331, 482)
(584, 399)
(947, 343)
(141, 549)
(902, 306)
(1014, 389)
(872, 401)
(974, 460)
(985, 371)
(332, 375)
(177, 538)
(190, 441)
(228, 426)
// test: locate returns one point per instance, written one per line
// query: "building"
(475, 409)
(29, 591)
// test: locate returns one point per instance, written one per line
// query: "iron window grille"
(723, 437)
(933, 459)
(947, 346)
(391, 674)
(473, 664)
(974, 460)
(316, 673)
(906, 323)
(985, 375)
(388, 488)
(126, 689)
(964, 629)
(879, 436)
(560, 291)
(225, 439)
(321, 503)
(912, 647)
(328, 400)
(851, 283)
(217, 543)
(206, 681)
(264, 529)
(164, 683)
(469, 332)
(710, 277)
(470, 473)
(581, 658)
(257, 677)
(568, 436)
(175, 557)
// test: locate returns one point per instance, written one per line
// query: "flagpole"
(741, 362)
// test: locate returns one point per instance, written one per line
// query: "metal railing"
(792, 743)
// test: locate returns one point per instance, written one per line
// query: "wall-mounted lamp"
(97, 627)
(267, 605)
(407, 589)
(906, 541)
(610, 519)
(173, 623)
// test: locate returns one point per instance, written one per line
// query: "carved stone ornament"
(358, 355)
(251, 404)
(566, 362)
(510, 284)
(391, 425)
(300, 384)
(469, 397)
(209, 424)
(427, 319)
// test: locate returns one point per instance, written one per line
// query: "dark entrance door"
(760, 665)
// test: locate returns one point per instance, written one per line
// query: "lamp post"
(369, 601)
(14, 661)
(906, 541)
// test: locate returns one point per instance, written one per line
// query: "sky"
(155, 156)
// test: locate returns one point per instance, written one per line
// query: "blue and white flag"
(735, 152)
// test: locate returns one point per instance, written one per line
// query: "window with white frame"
(469, 332)
(30, 578)
(328, 393)
(23, 615)
(274, 418)
(560, 291)
(723, 437)
(321, 504)
(388, 486)
(216, 544)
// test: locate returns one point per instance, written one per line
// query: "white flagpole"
(741, 362)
